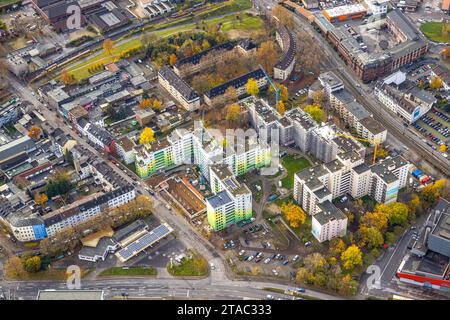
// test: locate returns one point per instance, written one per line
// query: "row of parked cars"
(259, 256)
(436, 125)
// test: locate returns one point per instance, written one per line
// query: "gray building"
(439, 238)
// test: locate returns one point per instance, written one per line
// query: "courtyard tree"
(266, 55)
(396, 212)
(318, 97)
(293, 214)
(35, 132)
(145, 103)
(40, 198)
(281, 108)
(233, 111)
(436, 83)
(351, 257)
(147, 136)
(316, 112)
(252, 87)
(157, 104)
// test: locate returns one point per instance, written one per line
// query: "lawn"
(195, 266)
(80, 71)
(130, 271)
(248, 23)
(48, 274)
(434, 31)
(293, 165)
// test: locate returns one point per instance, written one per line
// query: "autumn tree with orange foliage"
(35, 132)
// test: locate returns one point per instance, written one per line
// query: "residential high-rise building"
(231, 202)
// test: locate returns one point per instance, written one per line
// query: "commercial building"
(428, 262)
(347, 12)
(288, 44)
(98, 252)
(217, 94)
(369, 66)
(377, 7)
(108, 17)
(155, 8)
(56, 12)
(409, 104)
(15, 151)
(311, 4)
(179, 89)
(137, 242)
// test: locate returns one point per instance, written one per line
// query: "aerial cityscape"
(224, 150)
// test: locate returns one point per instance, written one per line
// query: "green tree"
(316, 112)
(370, 237)
(33, 264)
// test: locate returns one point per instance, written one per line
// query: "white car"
(267, 260)
(250, 258)
(275, 272)
(241, 253)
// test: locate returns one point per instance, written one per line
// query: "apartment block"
(217, 94)
(48, 225)
(179, 89)
(231, 202)
(288, 44)
(350, 110)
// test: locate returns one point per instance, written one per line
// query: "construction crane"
(375, 142)
(277, 92)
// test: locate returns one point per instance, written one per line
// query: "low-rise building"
(217, 94)
(179, 89)
(409, 105)
(125, 149)
(288, 44)
(204, 59)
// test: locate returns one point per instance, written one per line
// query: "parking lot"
(434, 126)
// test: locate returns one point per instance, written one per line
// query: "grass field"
(434, 31)
(292, 165)
(195, 266)
(131, 271)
